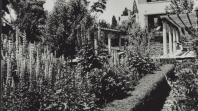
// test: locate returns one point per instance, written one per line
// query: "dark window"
(156, 0)
(154, 22)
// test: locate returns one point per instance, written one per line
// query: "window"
(156, 0)
(154, 22)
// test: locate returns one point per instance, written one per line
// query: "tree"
(98, 6)
(6, 26)
(114, 22)
(65, 19)
(135, 10)
(104, 24)
(125, 12)
(180, 6)
(29, 14)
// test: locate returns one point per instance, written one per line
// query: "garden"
(38, 72)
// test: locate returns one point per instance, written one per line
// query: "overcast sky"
(113, 7)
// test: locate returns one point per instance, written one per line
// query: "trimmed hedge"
(149, 94)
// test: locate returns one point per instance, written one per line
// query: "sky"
(113, 7)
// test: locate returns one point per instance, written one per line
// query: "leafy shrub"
(31, 101)
(90, 60)
(187, 83)
(109, 84)
(144, 65)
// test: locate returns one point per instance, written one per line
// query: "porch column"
(177, 36)
(174, 41)
(164, 38)
(109, 45)
(170, 41)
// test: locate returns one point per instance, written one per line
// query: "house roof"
(181, 20)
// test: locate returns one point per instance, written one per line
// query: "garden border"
(149, 94)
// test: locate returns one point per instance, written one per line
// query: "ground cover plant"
(185, 85)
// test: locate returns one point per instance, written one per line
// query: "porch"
(171, 33)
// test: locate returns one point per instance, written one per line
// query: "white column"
(177, 36)
(109, 45)
(174, 41)
(164, 39)
(170, 41)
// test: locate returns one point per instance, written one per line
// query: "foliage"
(111, 83)
(104, 24)
(99, 6)
(150, 89)
(30, 14)
(180, 6)
(125, 12)
(68, 23)
(114, 22)
(143, 65)
(90, 60)
(140, 39)
(135, 10)
(6, 25)
(61, 26)
(4, 7)
(187, 83)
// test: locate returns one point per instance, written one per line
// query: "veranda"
(171, 30)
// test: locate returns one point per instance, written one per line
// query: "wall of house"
(150, 8)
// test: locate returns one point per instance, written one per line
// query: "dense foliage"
(67, 21)
(135, 10)
(35, 79)
(125, 12)
(29, 15)
(114, 22)
(185, 86)
(180, 6)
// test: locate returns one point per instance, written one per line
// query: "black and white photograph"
(99, 55)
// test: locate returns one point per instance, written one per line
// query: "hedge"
(149, 94)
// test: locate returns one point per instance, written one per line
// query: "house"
(148, 13)
(151, 14)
